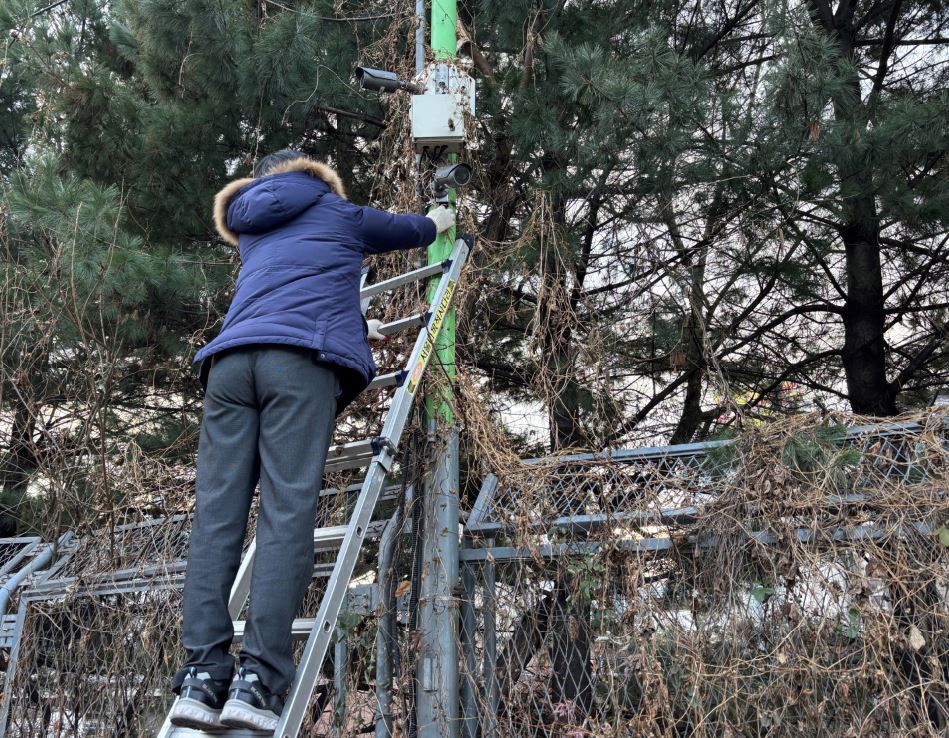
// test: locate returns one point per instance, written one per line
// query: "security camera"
(382, 80)
(452, 175)
(449, 176)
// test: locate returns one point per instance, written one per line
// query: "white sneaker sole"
(188, 713)
(238, 714)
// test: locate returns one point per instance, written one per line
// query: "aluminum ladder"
(375, 453)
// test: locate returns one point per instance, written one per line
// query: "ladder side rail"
(364, 299)
(240, 590)
(166, 726)
(321, 636)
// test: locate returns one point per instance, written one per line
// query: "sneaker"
(250, 704)
(200, 701)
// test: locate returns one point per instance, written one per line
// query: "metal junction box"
(438, 116)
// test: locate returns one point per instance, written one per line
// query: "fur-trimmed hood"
(223, 199)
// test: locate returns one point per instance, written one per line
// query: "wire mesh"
(806, 593)
(13, 551)
(96, 652)
(803, 591)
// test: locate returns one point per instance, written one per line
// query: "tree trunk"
(570, 656)
(528, 636)
(696, 362)
(691, 417)
(864, 351)
(555, 318)
(557, 352)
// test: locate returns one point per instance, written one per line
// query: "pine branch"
(885, 52)
(938, 337)
(696, 54)
(481, 62)
(48, 8)
(630, 425)
(774, 323)
(791, 370)
(350, 114)
(794, 369)
(744, 65)
(923, 271)
(333, 18)
(936, 41)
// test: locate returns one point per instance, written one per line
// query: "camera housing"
(452, 175)
(449, 176)
(382, 80)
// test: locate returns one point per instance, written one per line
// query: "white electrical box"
(438, 124)
(438, 116)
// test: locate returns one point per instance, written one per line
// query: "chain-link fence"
(97, 636)
(793, 581)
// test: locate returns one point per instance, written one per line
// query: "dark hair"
(274, 160)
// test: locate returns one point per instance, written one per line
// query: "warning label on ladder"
(440, 312)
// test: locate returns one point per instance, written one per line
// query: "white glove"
(374, 334)
(442, 218)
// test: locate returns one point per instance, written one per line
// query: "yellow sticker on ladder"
(430, 339)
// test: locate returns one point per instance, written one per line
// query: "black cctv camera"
(449, 176)
(381, 80)
(452, 175)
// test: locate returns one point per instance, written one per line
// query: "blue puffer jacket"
(302, 245)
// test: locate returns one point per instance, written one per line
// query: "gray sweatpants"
(269, 413)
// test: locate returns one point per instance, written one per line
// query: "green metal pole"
(444, 43)
(437, 403)
(444, 23)
(437, 697)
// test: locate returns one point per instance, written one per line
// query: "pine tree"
(119, 124)
(704, 198)
(698, 153)
(671, 177)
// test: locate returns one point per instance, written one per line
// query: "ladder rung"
(332, 536)
(385, 380)
(349, 455)
(232, 733)
(388, 493)
(301, 629)
(414, 276)
(404, 324)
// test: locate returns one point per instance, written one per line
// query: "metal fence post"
(11, 667)
(340, 674)
(469, 698)
(490, 724)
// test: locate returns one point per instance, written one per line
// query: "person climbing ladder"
(292, 354)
